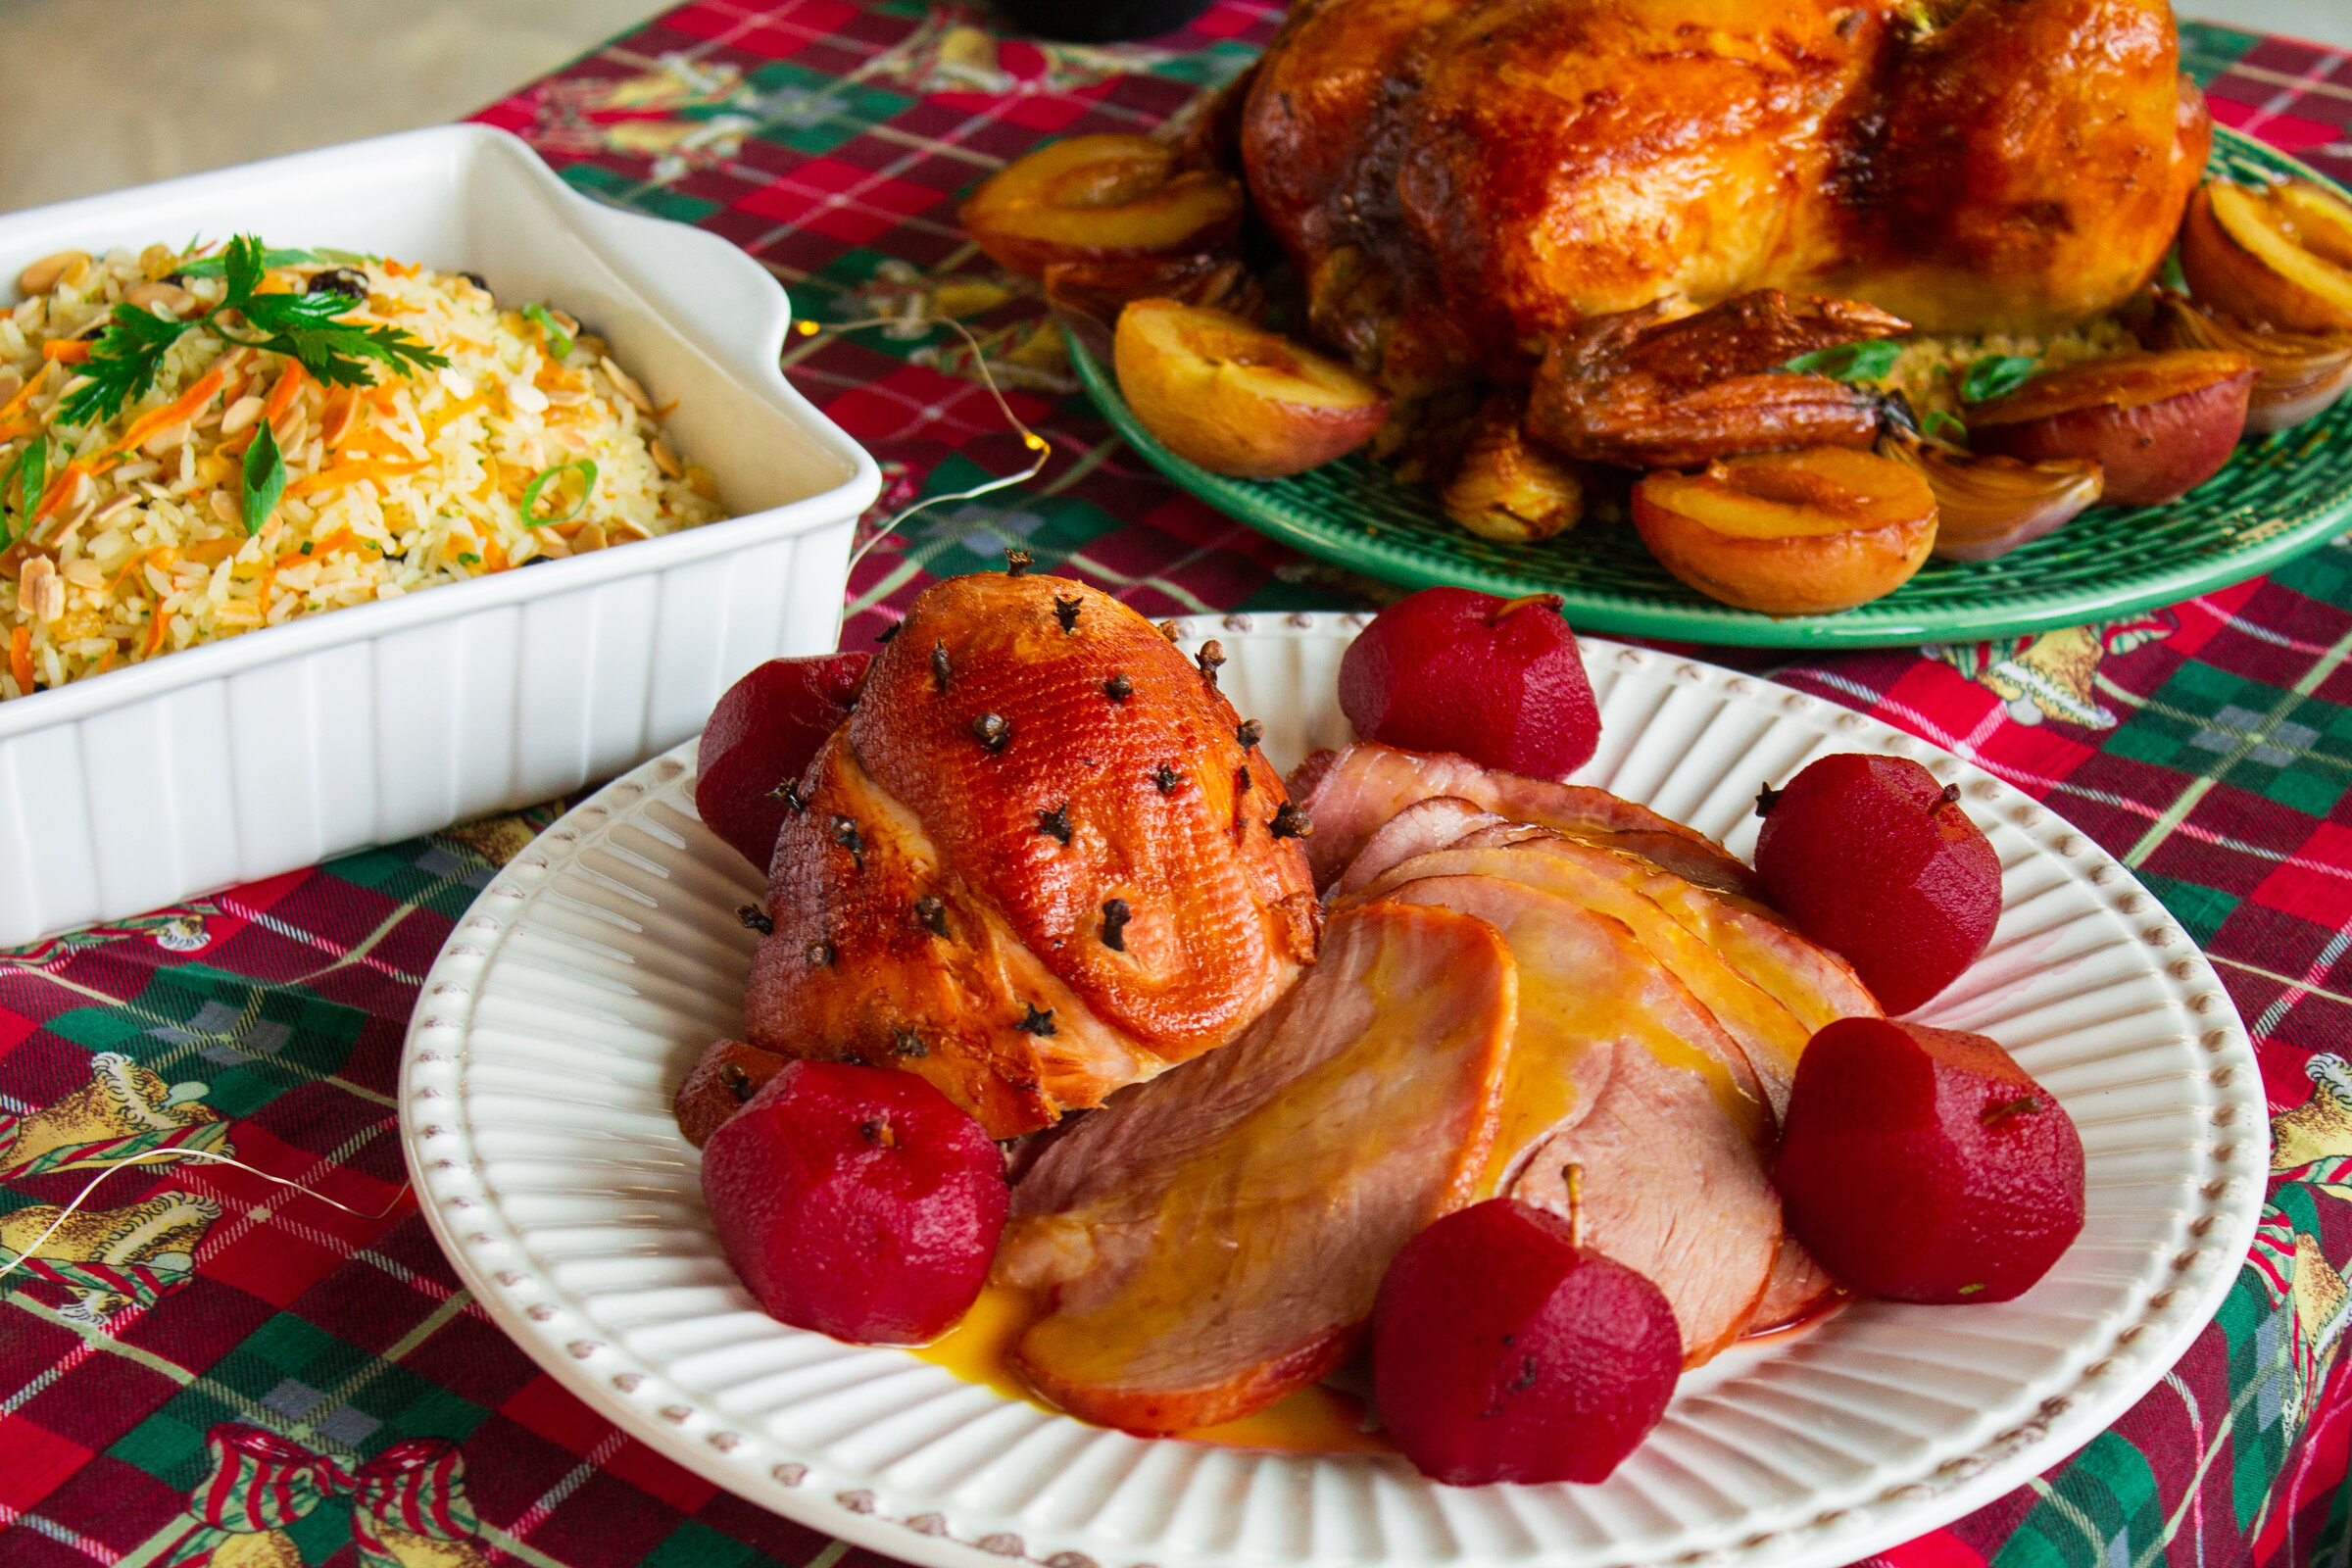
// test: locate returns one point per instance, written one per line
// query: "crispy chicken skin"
(1029, 866)
(1458, 179)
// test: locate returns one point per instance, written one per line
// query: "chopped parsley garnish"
(264, 478)
(1995, 374)
(1849, 362)
(1947, 424)
(307, 327)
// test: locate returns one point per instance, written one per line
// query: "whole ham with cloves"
(1043, 860)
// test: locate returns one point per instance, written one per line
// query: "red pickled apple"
(1924, 1164)
(1870, 855)
(858, 1202)
(761, 736)
(1498, 681)
(1502, 1351)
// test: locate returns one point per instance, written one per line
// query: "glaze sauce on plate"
(1317, 1419)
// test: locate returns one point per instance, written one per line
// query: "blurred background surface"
(108, 93)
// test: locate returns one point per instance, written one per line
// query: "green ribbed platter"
(2278, 496)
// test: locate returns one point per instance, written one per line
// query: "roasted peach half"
(1791, 533)
(1235, 398)
(2157, 424)
(1100, 198)
(2281, 256)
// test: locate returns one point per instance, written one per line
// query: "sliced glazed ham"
(1211, 1240)
(1349, 795)
(1618, 1068)
(1418, 829)
(1764, 983)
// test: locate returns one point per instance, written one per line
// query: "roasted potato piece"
(1988, 506)
(1236, 399)
(1791, 533)
(2158, 423)
(2281, 256)
(2298, 374)
(1100, 198)
(1648, 391)
(1507, 488)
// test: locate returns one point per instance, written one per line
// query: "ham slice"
(1211, 1240)
(1418, 829)
(1618, 1068)
(1348, 794)
(1767, 985)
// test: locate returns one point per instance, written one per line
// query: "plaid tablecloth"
(210, 1368)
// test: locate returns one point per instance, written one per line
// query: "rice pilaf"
(135, 543)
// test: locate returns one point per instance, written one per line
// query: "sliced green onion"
(1942, 422)
(558, 341)
(547, 477)
(264, 478)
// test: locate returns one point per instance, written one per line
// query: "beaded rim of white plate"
(2132, 1351)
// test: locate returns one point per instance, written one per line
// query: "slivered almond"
(225, 507)
(664, 459)
(242, 413)
(625, 384)
(65, 266)
(590, 537)
(163, 440)
(40, 589)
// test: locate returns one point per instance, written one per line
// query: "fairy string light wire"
(154, 1156)
(1041, 449)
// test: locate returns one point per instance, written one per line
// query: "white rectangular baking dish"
(284, 746)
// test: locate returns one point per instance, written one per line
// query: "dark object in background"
(1101, 21)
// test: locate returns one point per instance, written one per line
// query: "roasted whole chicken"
(1459, 182)
(1041, 861)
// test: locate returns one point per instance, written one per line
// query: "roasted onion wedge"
(1100, 198)
(2298, 375)
(1507, 488)
(1988, 506)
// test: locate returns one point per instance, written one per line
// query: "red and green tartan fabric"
(206, 1368)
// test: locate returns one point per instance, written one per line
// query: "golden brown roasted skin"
(1457, 180)
(942, 901)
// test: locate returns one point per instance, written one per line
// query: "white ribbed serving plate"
(535, 1111)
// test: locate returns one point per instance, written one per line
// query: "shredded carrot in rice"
(408, 481)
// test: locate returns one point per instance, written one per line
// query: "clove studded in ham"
(1041, 861)
(1214, 1239)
